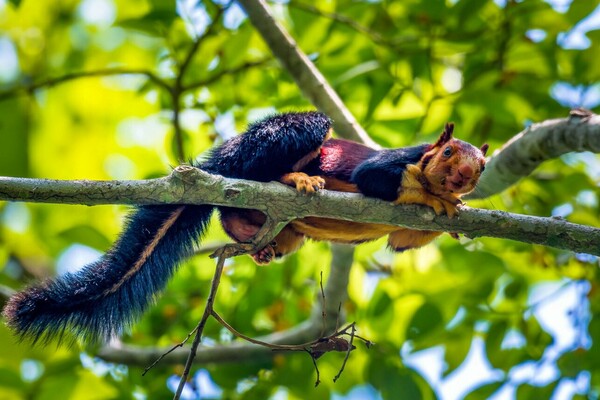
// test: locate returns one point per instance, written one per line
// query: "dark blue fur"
(381, 175)
(79, 305)
(269, 148)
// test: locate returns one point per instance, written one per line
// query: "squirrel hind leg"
(286, 242)
(407, 239)
(242, 226)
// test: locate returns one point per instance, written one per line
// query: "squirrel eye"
(447, 151)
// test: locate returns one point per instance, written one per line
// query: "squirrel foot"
(303, 182)
(265, 255)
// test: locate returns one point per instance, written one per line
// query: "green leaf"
(526, 391)
(457, 346)
(380, 304)
(392, 380)
(572, 363)
(516, 287)
(484, 392)
(579, 9)
(469, 12)
(380, 90)
(14, 135)
(424, 321)
(538, 340)
(501, 358)
(10, 378)
(86, 235)
(153, 23)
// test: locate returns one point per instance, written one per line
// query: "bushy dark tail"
(104, 298)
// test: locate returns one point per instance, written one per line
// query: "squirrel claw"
(264, 256)
(304, 183)
(451, 209)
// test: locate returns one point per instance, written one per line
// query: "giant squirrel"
(105, 297)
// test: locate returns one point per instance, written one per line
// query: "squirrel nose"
(465, 171)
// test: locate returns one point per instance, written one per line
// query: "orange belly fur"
(335, 230)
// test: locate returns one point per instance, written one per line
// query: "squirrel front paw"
(303, 182)
(418, 196)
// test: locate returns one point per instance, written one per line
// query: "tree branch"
(536, 144)
(397, 44)
(228, 71)
(82, 74)
(308, 78)
(246, 352)
(177, 90)
(188, 185)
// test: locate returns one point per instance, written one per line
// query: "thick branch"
(536, 144)
(308, 78)
(246, 352)
(187, 185)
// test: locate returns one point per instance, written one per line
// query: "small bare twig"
(314, 361)
(376, 37)
(224, 72)
(350, 348)
(200, 328)
(30, 88)
(323, 306)
(308, 78)
(172, 349)
(315, 348)
(265, 235)
(6, 292)
(280, 347)
(178, 89)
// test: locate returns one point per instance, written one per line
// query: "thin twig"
(200, 328)
(30, 88)
(314, 361)
(376, 37)
(6, 292)
(172, 349)
(323, 306)
(265, 235)
(209, 248)
(350, 348)
(308, 78)
(281, 347)
(196, 45)
(224, 72)
(177, 89)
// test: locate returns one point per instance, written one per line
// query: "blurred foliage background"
(102, 89)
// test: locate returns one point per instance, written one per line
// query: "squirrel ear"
(446, 135)
(484, 148)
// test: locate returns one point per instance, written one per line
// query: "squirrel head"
(451, 165)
